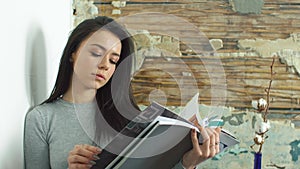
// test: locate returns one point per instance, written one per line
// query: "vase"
(257, 160)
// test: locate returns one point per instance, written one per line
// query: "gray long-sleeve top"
(53, 129)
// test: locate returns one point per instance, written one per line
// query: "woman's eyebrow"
(99, 46)
(103, 48)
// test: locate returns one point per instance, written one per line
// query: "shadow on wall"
(35, 66)
(35, 80)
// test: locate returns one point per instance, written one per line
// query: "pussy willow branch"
(268, 91)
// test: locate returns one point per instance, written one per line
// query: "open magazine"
(156, 138)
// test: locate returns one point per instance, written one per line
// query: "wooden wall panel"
(217, 19)
(246, 76)
(246, 80)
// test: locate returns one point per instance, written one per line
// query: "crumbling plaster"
(287, 49)
(83, 9)
(247, 6)
(282, 147)
(148, 44)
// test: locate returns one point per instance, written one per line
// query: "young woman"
(92, 94)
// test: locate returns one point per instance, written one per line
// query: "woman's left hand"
(208, 149)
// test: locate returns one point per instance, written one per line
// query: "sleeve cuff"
(179, 165)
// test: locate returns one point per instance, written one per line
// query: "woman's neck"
(79, 95)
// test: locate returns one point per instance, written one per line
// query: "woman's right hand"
(83, 156)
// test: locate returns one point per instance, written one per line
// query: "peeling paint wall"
(83, 9)
(287, 49)
(281, 148)
(242, 29)
(247, 6)
(154, 45)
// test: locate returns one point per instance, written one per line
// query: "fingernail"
(89, 166)
(96, 157)
(92, 162)
(99, 150)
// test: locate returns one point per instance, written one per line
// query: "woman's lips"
(100, 77)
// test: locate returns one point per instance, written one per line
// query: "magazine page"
(157, 134)
(191, 108)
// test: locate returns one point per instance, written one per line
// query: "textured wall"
(245, 34)
(281, 149)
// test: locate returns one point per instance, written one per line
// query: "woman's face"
(95, 60)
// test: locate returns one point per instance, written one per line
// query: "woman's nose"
(104, 63)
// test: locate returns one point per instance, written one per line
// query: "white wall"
(32, 36)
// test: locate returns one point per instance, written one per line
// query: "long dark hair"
(111, 97)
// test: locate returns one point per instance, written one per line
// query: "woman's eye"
(96, 54)
(113, 62)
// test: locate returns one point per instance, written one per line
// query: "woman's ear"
(72, 58)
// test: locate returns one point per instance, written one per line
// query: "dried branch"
(268, 90)
(263, 107)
